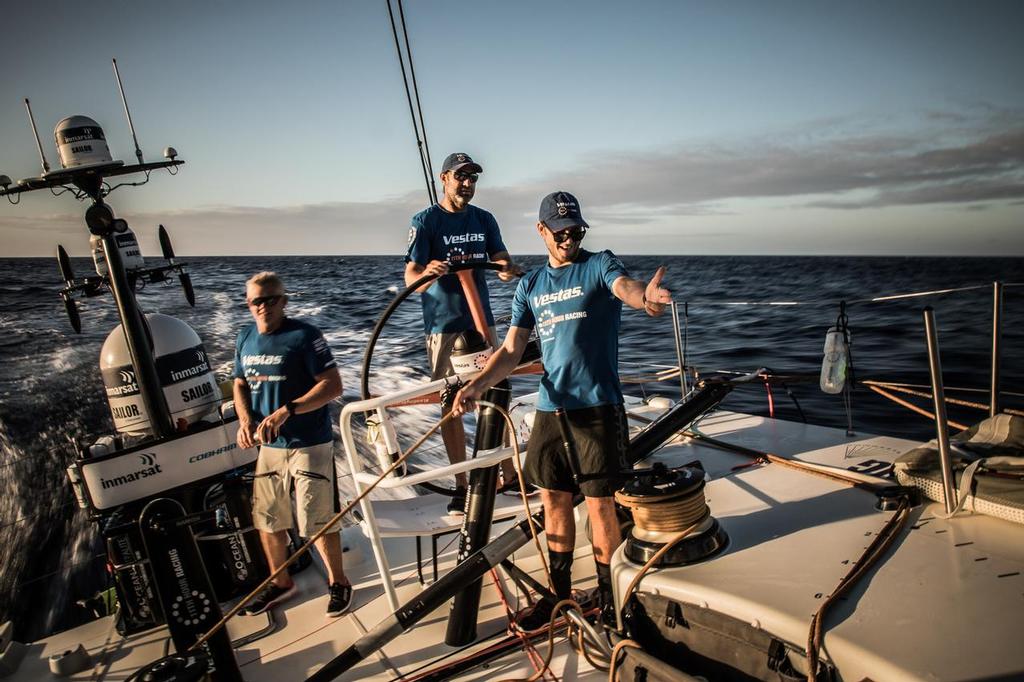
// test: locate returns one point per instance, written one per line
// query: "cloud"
(684, 184)
(891, 170)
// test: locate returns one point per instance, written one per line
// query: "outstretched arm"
(650, 296)
(499, 366)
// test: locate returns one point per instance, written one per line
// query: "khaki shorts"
(439, 350)
(310, 471)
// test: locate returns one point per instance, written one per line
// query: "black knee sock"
(561, 572)
(604, 583)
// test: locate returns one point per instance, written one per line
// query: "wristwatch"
(290, 406)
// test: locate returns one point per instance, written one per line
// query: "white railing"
(363, 479)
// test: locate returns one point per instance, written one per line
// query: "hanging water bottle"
(381, 433)
(836, 362)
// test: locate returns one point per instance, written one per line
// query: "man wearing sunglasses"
(285, 375)
(450, 232)
(575, 303)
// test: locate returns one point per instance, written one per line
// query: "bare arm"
(326, 389)
(499, 366)
(246, 429)
(650, 296)
(509, 270)
(413, 271)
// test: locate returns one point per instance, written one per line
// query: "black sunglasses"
(265, 300)
(461, 176)
(575, 233)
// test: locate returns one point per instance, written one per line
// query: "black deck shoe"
(536, 617)
(340, 601)
(271, 596)
(457, 505)
(512, 488)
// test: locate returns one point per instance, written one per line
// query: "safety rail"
(361, 478)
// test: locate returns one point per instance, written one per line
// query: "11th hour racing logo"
(149, 467)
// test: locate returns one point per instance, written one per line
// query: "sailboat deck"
(791, 538)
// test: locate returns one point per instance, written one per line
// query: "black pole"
(476, 527)
(101, 222)
(997, 335)
(489, 556)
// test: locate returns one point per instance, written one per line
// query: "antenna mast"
(128, 114)
(35, 133)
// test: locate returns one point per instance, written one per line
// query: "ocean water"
(51, 391)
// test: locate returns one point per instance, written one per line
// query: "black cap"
(560, 210)
(458, 161)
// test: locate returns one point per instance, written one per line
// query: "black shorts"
(601, 436)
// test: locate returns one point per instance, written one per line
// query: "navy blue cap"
(458, 161)
(560, 210)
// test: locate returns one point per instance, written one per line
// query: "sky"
(719, 128)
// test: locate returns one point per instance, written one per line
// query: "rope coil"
(666, 514)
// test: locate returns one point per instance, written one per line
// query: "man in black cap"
(575, 303)
(449, 232)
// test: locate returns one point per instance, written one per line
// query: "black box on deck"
(133, 579)
(234, 561)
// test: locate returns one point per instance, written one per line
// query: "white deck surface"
(946, 604)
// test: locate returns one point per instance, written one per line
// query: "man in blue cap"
(575, 303)
(450, 232)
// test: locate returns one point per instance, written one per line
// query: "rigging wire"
(416, 94)
(424, 161)
(923, 394)
(893, 384)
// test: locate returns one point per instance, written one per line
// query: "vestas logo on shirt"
(563, 295)
(462, 238)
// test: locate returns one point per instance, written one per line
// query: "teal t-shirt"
(282, 366)
(577, 319)
(470, 236)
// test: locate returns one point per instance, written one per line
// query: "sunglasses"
(462, 176)
(265, 300)
(574, 233)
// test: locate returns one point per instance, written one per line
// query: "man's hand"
(246, 432)
(465, 399)
(509, 271)
(436, 267)
(656, 296)
(268, 429)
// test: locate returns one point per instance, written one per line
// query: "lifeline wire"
(829, 302)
